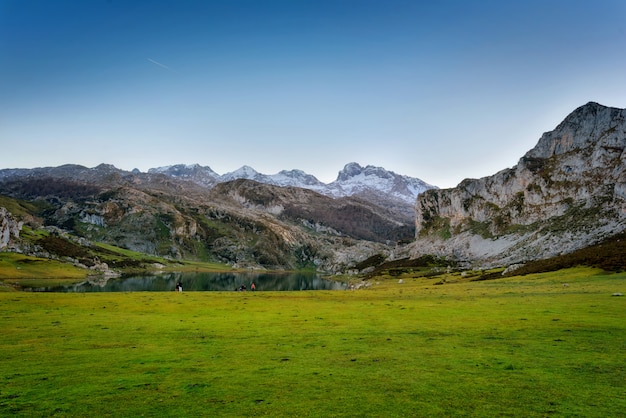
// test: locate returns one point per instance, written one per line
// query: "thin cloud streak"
(160, 65)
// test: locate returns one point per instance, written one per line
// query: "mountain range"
(375, 184)
(240, 222)
(567, 193)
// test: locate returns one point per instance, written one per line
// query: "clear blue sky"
(439, 90)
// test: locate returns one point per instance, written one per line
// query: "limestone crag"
(9, 228)
(568, 192)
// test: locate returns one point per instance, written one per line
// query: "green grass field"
(524, 346)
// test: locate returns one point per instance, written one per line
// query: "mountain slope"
(343, 216)
(567, 193)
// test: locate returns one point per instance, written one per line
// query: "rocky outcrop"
(9, 228)
(566, 193)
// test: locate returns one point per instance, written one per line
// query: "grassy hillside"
(70, 262)
(18, 269)
(521, 346)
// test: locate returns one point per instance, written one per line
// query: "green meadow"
(549, 344)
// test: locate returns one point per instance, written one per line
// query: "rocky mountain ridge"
(375, 184)
(567, 193)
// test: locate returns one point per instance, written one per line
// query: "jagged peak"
(296, 178)
(244, 169)
(178, 169)
(589, 109)
(294, 172)
(188, 166)
(592, 104)
(352, 170)
(106, 168)
(580, 129)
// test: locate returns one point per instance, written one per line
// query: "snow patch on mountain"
(354, 180)
(245, 172)
(202, 175)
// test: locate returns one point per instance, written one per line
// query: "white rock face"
(93, 219)
(9, 228)
(566, 193)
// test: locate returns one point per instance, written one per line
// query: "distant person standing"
(252, 287)
(179, 287)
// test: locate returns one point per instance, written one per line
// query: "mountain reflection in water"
(204, 282)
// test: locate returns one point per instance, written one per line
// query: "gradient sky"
(439, 90)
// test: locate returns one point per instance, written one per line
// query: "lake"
(203, 282)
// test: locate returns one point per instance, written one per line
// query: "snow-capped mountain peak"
(182, 170)
(369, 182)
(244, 172)
(355, 179)
(202, 175)
(296, 178)
(354, 170)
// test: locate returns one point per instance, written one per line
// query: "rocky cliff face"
(566, 193)
(9, 228)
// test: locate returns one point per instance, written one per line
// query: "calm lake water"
(204, 282)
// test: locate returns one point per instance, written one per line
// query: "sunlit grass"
(14, 267)
(168, 265)
(28, 271)
(537, 345)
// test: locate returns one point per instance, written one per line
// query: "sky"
(441, 91)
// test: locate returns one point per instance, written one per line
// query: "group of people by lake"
(243, 288)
